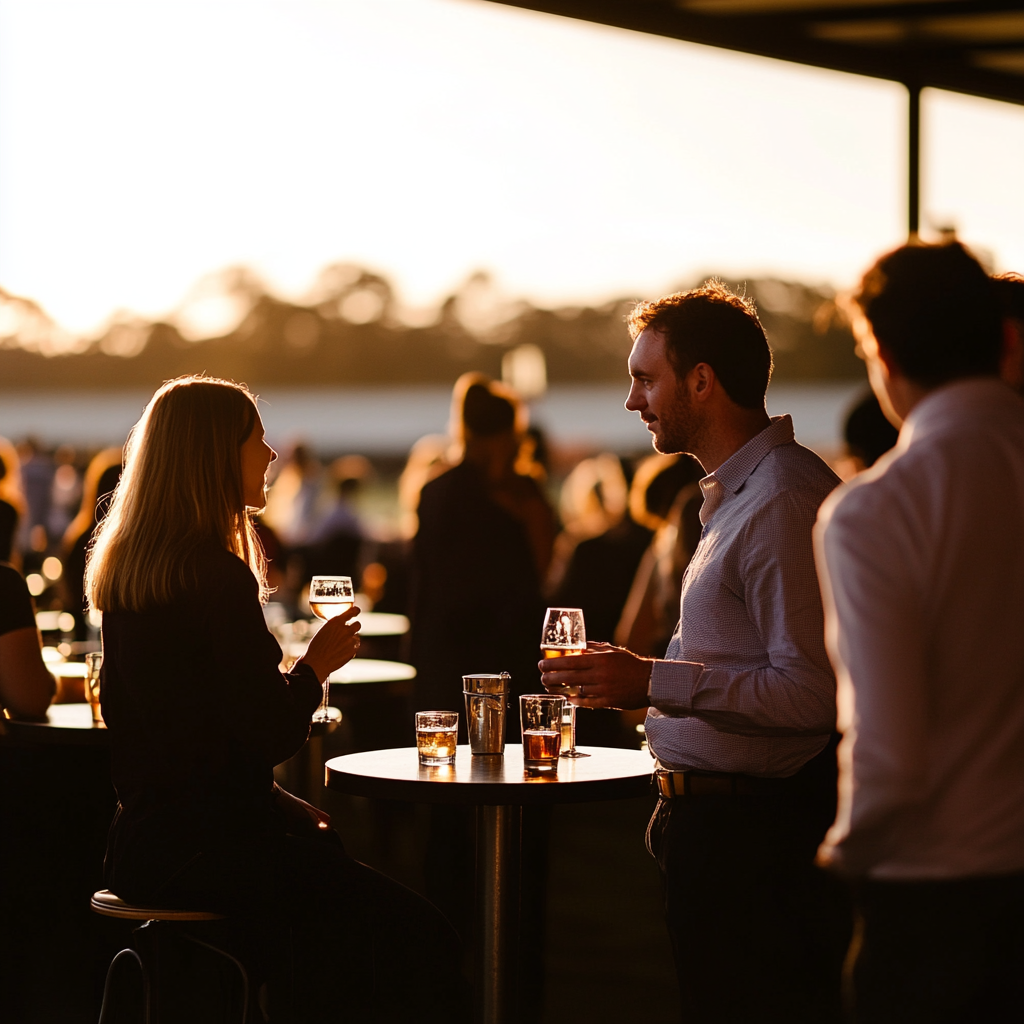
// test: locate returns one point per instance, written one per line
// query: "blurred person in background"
(481, 550)
(742, 707)
(33, 822)
(600, 549)
(428, 459)
(336, 541)
(26, 687)
(98, 485)
(666, 499)
(198, 714)
(592, 501)
(292, 500)
(922, 571)
(13, 509)
(1010, 292)
(37, 480)
(868, 436)
(534, 454)
(66, 492)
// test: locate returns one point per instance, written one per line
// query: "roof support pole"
(914, 159)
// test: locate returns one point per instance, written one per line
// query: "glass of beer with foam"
(562, 636)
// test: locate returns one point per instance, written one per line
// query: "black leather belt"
(696, 784)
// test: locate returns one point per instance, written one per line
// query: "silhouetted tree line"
(351, 333)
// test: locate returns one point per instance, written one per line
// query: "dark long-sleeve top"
(15, 603)
(198, 714)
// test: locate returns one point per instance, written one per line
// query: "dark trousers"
(759, 934)
(334, 939)
(948, 952)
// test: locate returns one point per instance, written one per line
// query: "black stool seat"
(106, 903)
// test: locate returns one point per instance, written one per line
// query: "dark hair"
(712, 325)
(1010, 293)
(485, 414)
(934, 308)
(868, 434)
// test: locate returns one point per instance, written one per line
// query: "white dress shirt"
(746, 686)
(922, 567)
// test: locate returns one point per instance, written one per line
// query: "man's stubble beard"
(682, 429)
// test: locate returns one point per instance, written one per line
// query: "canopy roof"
(968, 46)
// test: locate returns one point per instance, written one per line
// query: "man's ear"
(701, 381)
(888, 360)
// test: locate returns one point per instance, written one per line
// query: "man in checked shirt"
(742, 707)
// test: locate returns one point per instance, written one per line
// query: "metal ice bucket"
(486, 706)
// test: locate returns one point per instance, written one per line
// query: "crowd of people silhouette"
(730, 582)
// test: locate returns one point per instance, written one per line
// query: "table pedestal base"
(498, 871)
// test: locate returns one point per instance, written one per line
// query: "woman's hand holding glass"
(334, 644)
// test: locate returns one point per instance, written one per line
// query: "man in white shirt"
(742, 708)
(1010, 293)
(922, 568)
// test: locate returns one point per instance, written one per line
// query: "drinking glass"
(541, 719)
(93, 664)
(437, 733)
(329, 597)
(564, 635)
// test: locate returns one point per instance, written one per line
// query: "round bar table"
(499, 787)
(64, 724)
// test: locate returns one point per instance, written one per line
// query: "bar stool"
(145, 948)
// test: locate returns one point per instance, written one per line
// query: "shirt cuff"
(303, 673)
(672, 686)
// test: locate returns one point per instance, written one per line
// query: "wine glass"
(563, 636)
(329, 597)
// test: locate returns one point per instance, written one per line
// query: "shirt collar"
(732, 474)
(943, 407)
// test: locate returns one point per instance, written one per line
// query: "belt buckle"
(666, 783)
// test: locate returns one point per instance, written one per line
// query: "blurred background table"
(65, 724)
(383, 624)
(370, 701)
(498, 787)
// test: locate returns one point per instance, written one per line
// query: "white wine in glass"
(329, 597)
(564, 636)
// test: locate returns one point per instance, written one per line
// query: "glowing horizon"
(148, 144)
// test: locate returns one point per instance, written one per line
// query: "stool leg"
(124, 955)
(238, 963)
(147, 940)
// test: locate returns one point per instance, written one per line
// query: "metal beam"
(914, 159)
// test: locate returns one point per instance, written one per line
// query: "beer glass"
(329, 597)
(93, 664)
(437, 733)
(541, 719)
(563, 636)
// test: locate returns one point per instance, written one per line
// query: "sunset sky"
(145, 143)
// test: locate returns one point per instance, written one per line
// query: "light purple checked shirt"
(746, 685)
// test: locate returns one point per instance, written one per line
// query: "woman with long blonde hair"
(199, 713)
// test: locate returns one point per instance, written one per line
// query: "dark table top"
(610, 773)
(66, 724)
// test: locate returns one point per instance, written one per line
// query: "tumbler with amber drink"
(541, 718)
